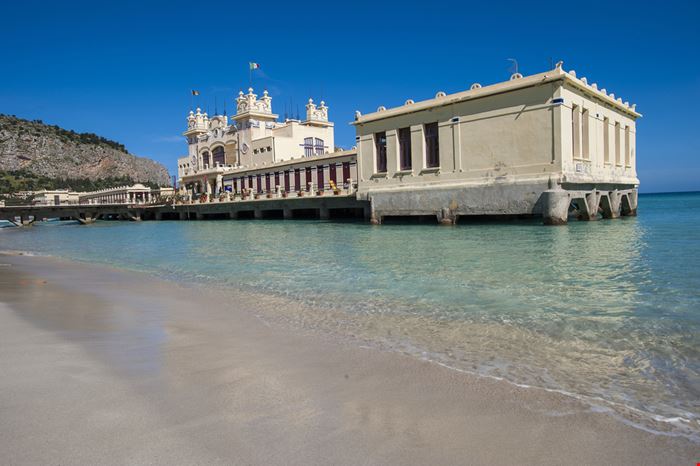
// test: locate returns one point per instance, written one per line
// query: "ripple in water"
(606, 311)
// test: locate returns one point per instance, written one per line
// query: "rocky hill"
(52, 152)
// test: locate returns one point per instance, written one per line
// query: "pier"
(319, 207)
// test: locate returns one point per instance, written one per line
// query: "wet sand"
(100, 366)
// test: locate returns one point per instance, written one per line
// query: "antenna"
(515, 62)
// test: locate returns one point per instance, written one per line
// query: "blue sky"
(124, 70)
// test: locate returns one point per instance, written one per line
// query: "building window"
(346, 172)
(628, 161)
(584, 134)
(618, 159)
(277, 180)
(405, 148)
(267, 182)
(309, 181)
(297, 179)
(432, 146)
(380, 149)
(286, 181)
(205, 159)
(308, 147)
(318, 145)
(259, 180)
(218, 155)
(575, 132)
(321, 182)
(332, 175)
(606, 140)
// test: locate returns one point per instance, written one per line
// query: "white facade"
(250, 139)
(136, 194)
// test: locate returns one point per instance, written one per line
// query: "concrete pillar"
(589, 206)
(628, 204)
(323, 213)
(610, 204)
(555, 207)
(446, 217)
(374, 218)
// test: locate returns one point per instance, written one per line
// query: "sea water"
(605, 311)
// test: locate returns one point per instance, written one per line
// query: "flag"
(195, 92)
(254, 66)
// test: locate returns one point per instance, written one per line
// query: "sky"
(125, 70)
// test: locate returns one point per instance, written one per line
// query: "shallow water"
(608, 311)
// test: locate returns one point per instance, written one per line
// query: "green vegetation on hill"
(13, 181)
(38, 128)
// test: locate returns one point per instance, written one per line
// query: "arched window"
(218, 154)
(205, 159)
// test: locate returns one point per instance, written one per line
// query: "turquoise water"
(607, 311)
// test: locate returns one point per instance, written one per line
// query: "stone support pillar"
(555, 207)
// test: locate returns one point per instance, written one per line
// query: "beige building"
(518, 147)
(56, 197)
(253, 138)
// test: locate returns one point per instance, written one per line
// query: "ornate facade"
(248, 141)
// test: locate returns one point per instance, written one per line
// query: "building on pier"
(56, 197)
(136, 194)
(497, 149)
(222, 149)
(549, 145)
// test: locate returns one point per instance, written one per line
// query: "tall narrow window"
(628, 162)
(250, 183)
(277, 179)
(318, 146)
(332, 173)
(308, 147)
(286, 181)
(405, 148)
(575, 132)
(319, 176)
(346, 172)
(218, 155)
(606, 140)
(267, 182)
(205, 160)
(297, 179)
(309, 181)
(259, 180)
(584, 134)
(618, 159)
(380, 149)
(432, 146)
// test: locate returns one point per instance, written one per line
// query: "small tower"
(317, 116)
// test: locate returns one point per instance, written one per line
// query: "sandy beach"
(101, 366)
